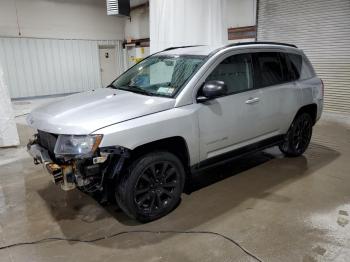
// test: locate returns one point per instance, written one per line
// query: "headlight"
(77, 145)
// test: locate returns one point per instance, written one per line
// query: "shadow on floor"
(212, 194)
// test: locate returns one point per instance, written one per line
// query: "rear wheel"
(298, 137)
(152, 186)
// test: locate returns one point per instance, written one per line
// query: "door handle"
(252, 100)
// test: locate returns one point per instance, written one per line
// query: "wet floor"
(278, 209)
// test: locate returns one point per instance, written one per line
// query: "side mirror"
(212, 89)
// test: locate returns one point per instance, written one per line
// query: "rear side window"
(294, 63)
(306, 70)
(299, 67)
(270, 69)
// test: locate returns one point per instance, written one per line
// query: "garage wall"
(138, 26)
(66, 19)
(38, 67)
(240, 13)
(179, 23)
(322, 29)
(50, 47)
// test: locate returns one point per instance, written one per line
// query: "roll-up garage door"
(322, 29)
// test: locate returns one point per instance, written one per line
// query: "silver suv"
(175, 113)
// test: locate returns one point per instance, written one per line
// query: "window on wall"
(236, 72)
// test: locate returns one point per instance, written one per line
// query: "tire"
(151, 187)
(298, 136)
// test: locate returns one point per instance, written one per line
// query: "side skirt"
(237, 153)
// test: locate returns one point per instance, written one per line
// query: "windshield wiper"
(135, 89)
(111, 86)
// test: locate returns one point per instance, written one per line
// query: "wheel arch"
(311, 109)
(176, 145)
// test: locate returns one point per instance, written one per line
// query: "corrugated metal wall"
(322, 29)
(37, 67)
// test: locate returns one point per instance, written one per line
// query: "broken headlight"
(77, 145)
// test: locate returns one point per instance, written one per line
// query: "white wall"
(65, 19)
(38, 67)
(138, 27)
(8, 130)
(240, 13)
(187, 22)
(57, 51)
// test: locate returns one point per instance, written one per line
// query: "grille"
(47, 140)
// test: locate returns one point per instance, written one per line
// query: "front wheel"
(152, 186)
(298, 137)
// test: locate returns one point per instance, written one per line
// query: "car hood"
(86, 112)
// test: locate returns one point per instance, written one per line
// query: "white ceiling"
(137, 2)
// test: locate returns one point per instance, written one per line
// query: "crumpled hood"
(86, 112)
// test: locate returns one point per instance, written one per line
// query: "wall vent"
(118, 7)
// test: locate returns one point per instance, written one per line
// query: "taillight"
(322, 88)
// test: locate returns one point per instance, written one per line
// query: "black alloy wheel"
(155, 187)
(152, 188)
(299, 135)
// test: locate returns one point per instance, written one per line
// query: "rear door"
(280, 94)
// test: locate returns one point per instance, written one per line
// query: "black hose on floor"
(132, 232)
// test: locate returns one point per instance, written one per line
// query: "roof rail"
(177, 47)
(257, 43)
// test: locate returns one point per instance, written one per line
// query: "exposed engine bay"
(88, 172)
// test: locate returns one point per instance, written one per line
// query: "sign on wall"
(242, 32)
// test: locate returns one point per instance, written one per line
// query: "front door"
(231, 121)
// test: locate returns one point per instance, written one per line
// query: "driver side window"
(236, 72)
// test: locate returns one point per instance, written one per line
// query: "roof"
(206, 50)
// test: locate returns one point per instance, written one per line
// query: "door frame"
(99, 47)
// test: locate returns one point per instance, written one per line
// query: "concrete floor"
(279, 209)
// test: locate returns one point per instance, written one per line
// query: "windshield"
(159, 75)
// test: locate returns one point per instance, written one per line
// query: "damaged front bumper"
(88, 174)
(60, 174)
